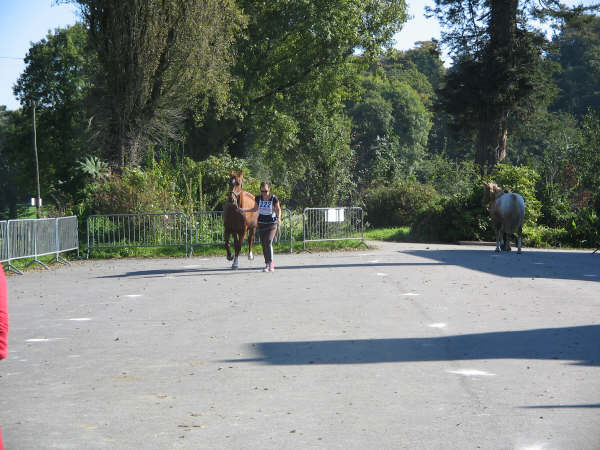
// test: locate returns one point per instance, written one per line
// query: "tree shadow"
(578, 344)
(562, 265)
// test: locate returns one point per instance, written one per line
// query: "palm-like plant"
(94, 167)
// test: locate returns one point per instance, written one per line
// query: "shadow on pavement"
(530, 264)
(561, 265)
(578, 344)
(209, 271)
(583, 405)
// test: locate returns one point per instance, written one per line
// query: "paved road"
(406, 346)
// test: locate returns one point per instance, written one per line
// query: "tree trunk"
(499, 66)
(491, 139)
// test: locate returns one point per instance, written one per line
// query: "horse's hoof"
(234, 267)
(251, 257)
(229, 258)
(497, 250)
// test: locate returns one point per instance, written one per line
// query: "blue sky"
(25, 21)
(21, 23)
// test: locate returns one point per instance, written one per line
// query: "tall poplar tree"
(157, 58)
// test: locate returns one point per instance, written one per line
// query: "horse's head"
(235, 186)
(491, 192)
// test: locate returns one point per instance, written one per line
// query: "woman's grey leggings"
(267, 234)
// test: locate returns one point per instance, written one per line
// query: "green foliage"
(57, 78)
(398, 204)
(453, 218)
(134, 191)
(541, 236)
(391, 126)
(394, 234)
(93, 167)
(162, 61)
(447, 176)
(578, 47)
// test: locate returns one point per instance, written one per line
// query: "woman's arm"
(249, 210)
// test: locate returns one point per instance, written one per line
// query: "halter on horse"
(237, 223)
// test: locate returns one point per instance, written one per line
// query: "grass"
(395, 234)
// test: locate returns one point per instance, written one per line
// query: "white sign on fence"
(334, 215)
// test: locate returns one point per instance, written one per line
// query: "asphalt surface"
(406, 346)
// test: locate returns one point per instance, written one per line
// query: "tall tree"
(578, 52)
(292, 44)
(56, 81)
(157, 58)
(498, 70)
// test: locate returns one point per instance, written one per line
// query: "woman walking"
(269, 214)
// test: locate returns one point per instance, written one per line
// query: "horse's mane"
(493, 192)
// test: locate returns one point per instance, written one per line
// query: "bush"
(392, 206)
(454, 218)
(134, 191)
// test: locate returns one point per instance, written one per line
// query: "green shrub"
(454, 218)
(392, 206)
(555, 208)
(584, 229)
(543, 236)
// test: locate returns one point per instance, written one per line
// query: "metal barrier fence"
(32, 238)
(136, 230)
(167, 229)
(332, 224)
(3, 241)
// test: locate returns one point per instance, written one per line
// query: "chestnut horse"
(237, 223)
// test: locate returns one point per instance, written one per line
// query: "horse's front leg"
(228, 246)
(251, 232)
(237, 247)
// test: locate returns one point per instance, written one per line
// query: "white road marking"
(533, 447)
(472, 373)
(438, 325)
(381, 274)
(375, 261)
(80, 319)
(411, 294)
(43, 339)
(133, 295)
